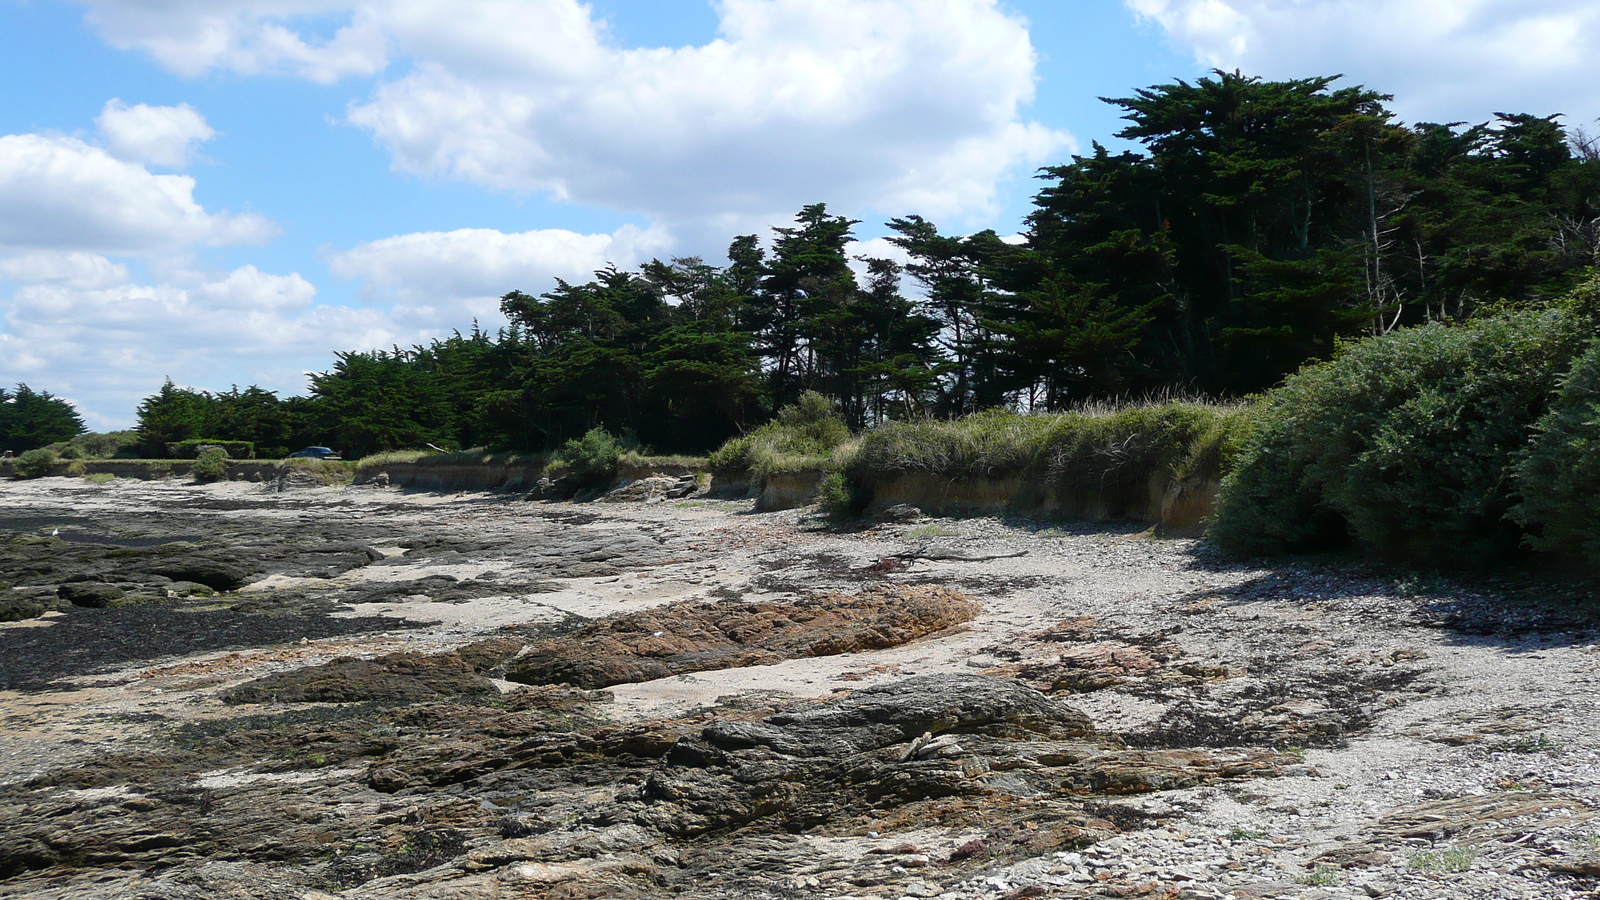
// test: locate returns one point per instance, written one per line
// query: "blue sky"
(228, 191)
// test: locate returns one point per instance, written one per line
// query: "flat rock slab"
(395, 677)
(697, 637)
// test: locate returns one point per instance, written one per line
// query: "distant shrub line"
(192, 449)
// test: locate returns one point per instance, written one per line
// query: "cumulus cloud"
(106, 347)
(484, 263)
(157, 135)
(437, 279)
(253, 37)
(1442, 59)
(59, 193)
(251, 290)
(82, 271)
(882, 105)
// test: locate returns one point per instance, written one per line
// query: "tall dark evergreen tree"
(32, 419)
(175, 414)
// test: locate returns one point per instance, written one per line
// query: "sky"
(227, 192)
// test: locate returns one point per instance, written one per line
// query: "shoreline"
(1363, 699)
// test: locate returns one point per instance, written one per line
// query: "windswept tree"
(175, 414)
(380, 400)
(32, 419)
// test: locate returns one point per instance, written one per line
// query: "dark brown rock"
(697, 637)
(398, 676)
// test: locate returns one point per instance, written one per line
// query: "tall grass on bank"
(326, 471)
(1416, 444)
(1105, 457)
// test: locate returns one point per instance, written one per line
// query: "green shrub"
(800, 436)
(35, 463)
(591, 460)
(71, 451)
(1558, 476)
(210, 465)
(836, 497)
(1404, 443)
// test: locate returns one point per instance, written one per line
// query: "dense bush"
(800, 436)
(35, 463)
(1404, 443)
(591, 460)
(1558, 476)
(210, 465)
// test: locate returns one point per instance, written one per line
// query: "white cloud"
(253, 37)
(251, 290)
(82, 271)
(107, 347)
(1443, 60)
(437, 280)
(887, 106)
(59, 193)
(157, 135)
(480, 263)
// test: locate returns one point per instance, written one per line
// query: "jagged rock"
(687, 485)
(696, 637)
(903, 513)
(653, 487)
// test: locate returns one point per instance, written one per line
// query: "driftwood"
(946, 556)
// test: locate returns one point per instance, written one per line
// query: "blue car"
(316, 453)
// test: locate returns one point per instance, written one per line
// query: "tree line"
(1260, 224)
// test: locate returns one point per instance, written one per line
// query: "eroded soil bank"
(224, 691)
